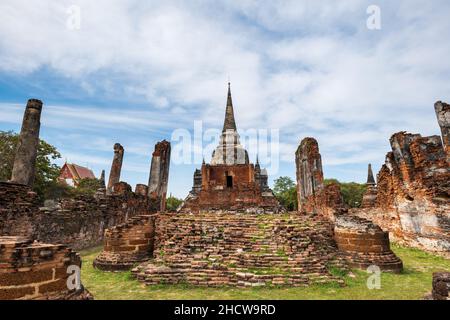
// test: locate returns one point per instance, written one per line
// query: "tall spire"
(229, 123)
(370, 178)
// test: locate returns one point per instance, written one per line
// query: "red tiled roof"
(79, 172)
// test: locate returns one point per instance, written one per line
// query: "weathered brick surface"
(441, 286)
(241, 250)
(159, 176)
(78, 223)
(32, 270)
(364, 244)
(312, 195)
(413, 193)
(127, 244)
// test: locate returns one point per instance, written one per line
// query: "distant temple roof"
(78, 172)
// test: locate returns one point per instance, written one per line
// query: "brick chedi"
(413, 193)
(24, 162)
(116, 167)
(36, 271)
(159, 176)
(230, 183)
(127, 244)
(243, 250)
(312, 195)
(364, 244)
(370, 195)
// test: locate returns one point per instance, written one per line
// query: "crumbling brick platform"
(363, 244)
(36, 271)
(127, 244)
(243, 250)
(441, 286)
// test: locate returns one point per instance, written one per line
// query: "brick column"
(25, 161)
(116, 167)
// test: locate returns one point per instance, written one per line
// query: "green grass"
(413, 283)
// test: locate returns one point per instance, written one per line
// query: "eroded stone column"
(309, 173)
(25, 161)
(159, 176)
(443, 116)
(116, 167)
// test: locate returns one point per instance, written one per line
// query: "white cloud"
(308, 68)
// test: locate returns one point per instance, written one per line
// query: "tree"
(173, 203)
(352, 192)
(46, 171)
(286, 192)
(87, 187)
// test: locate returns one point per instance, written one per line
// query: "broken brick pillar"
(441, 286)
(116, 167)
(24, 163)
(309, 174)
(443, 116)
(370, 196)
(159, 176)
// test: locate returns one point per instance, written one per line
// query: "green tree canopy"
(46, 171)
(173, 203)
(286, 192)
(352, 192)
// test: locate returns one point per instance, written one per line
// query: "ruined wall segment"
(79, 222)
(23, 171)
(413, 193)
(159, 176)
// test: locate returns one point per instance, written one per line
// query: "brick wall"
(79, 223)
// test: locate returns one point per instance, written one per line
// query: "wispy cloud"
(308, 68)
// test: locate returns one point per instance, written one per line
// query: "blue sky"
(135, 72)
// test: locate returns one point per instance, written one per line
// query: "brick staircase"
(241, 250)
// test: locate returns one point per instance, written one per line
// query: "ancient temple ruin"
(230, 183)
(413, 192)
(30, 269)
(313, 195)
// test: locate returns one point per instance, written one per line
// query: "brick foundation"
(364, 244)
(241, 250)
(36, 271)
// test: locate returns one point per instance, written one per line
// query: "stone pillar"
(25, 161)
(159, 176)
(116, 167)
(443, 116)
(309, 174)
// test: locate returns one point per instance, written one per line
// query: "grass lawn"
(413, 283)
